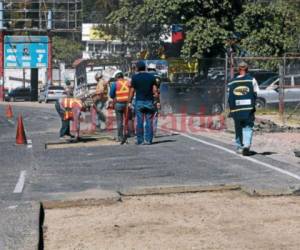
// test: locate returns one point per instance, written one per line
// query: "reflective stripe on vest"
(68, 105)
(122, 91)
(241, 95)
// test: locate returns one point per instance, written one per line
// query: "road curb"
(161, 190)
(295, 190)
(81, 199)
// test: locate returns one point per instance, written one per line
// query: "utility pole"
(24, 77)
(49, 28)
(281, 93)
(2, 94)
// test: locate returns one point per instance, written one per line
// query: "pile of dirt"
(269, 126)
(215, 220)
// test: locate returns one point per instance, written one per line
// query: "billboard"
(99, 32)
(25, 52)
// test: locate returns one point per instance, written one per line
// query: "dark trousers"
(120, 109)
(65, 124)
(65, 128)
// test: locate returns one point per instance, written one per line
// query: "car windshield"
(268, 82)
(56, 88)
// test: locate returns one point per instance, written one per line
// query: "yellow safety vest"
(68, 105)
(122, 90)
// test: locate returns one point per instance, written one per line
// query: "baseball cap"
(243, 65)
(140, 65)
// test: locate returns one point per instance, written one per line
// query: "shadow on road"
(163, 141)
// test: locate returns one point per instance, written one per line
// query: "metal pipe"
(1, 15)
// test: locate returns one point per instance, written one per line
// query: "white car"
(268, 93)
(52, 93)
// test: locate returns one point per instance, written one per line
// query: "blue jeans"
(244, 132)
(144, 114)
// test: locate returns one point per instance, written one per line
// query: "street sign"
(25, 52)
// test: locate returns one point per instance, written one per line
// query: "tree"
(268, 30)
(207, 23)
(66, 50)
(96, 11)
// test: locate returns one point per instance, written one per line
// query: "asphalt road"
(30, 173)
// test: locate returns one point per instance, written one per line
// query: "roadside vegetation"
(211, 27)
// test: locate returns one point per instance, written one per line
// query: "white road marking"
(29, 143)
(11, 122)
(282, 171)
(12, 207)
(20, 184)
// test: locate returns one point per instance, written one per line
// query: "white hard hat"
(117, 74)
(98, 74)
(151, 66)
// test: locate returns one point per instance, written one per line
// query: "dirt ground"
(279, 146)
(213, 220)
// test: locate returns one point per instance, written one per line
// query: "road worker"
(152, 70)
(119, 91)
(100, 99)
(69, 109)
(241, 99)
(143, 86)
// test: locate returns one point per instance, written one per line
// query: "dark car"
(262, 75)
(19, 94)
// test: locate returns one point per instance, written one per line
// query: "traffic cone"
(20, 137)
(9, 113)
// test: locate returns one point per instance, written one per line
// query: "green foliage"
(207, 23)
(65, 50)
(95, 11)
(268, 30)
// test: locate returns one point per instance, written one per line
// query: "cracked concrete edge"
(264, 192)
(160, 190)
(81, 199)
(106, 197)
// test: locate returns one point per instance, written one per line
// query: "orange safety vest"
(122, 90)
(68, 104)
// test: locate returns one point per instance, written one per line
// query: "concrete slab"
(81, 199)
(193, 188)
(86, 141)
(20, 225)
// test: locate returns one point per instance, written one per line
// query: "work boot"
(64, 137)
(239, 151)
(246, 152)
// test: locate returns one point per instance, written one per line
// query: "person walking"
(242, 94)
(119, 91)
(143, 86)
(100, 99)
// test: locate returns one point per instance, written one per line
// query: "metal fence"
(198, 90)
(279, 84)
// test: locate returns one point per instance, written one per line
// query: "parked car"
(19, 94)
(6, 95)
(51, 93)
(268, 93)
(262, 75)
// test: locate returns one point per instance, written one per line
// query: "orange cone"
(9, 113)
(21, 137)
